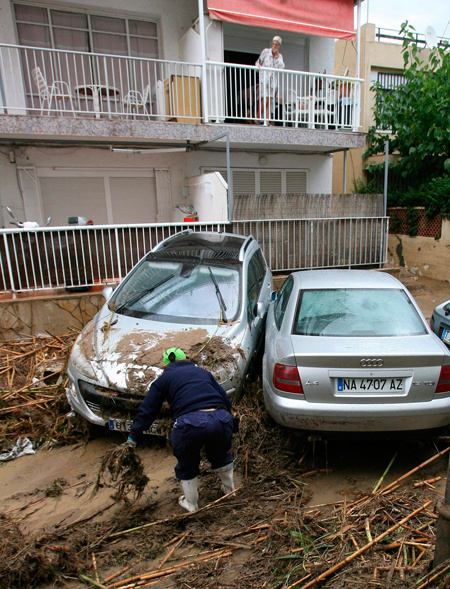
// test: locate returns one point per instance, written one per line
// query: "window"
(77, 31)
(357, 313)
(282, 301)
(115, 38)
(387, 82)
(256, 273)
(267, 181)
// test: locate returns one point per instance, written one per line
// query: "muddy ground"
(304, 505)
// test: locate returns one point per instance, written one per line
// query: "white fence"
(77, 257)
(37, 81)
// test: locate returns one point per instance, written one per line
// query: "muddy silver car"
(349, 350)
(207, 293)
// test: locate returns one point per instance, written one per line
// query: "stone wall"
(47, 314)
(425, 256)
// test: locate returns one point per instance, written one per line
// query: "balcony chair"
(297, 109)
(134, 101)
(326, 109)
(59, 91)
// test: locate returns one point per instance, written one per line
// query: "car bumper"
(77, 402)
(348, 417)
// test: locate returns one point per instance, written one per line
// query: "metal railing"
(300, 244)
(40, 81)
(51, 82)
(80, 257)
(77, 257)
(282, 97)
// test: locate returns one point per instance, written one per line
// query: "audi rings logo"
(371, 362)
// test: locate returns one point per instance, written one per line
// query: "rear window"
(356, 313)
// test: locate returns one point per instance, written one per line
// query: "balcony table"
(97, 92)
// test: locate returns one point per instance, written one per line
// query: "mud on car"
(205, 292)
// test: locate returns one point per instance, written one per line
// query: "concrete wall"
(423, 255)
(47, 314)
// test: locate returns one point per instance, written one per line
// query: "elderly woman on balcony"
(268, 81)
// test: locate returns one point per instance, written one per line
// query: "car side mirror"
(107, 292)
(259, 309)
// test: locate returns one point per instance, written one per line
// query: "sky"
(389, 14)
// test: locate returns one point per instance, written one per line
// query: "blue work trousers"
(191, 432)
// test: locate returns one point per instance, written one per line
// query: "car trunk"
(368, 370)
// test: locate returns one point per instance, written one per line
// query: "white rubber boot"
(189, 501)
(226, 477)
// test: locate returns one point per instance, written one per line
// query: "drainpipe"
(386, 169)
(344, 184)
(358, 68)
(201, 24)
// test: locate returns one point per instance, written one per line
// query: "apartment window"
(268, 181)
(387, 83)
(84, 35)
(77, 31)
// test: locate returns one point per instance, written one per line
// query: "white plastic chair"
(59, 91)
(136, 100)
(297, 109)
(325, 109)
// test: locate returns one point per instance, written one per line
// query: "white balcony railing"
(37, 81)
(294, 98)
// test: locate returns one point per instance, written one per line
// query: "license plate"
(370, 385)
(124, 425)
(446, 336)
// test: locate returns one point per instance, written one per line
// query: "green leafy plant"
(416, 114)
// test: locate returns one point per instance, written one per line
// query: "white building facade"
(119, 113)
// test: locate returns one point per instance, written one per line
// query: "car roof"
(207, 244)
(324, 279)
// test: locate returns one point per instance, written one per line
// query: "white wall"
(208, 195)
(321, 55)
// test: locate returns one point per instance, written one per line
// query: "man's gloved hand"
(130, 444)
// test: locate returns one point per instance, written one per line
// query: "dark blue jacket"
(186, 388)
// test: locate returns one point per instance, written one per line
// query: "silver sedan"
(350, 350)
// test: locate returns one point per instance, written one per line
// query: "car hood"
(125, 353)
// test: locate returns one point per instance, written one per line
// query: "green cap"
(172, 355)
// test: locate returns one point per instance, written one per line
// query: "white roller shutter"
(244, 182)
(133, 199)
(296, 182)
(70, 196)
(270, 182)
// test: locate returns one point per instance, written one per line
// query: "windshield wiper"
(223, 307)
(138, 296)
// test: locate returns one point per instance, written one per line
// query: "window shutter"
(270, 182)
(296, 182)
(64, 197)
(244, 182)
(133, 200)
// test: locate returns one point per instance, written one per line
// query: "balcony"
(74, 87)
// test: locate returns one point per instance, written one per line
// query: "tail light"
(443, 386)
(286, 378)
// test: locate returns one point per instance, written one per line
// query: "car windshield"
(185, 291)
(356, 313)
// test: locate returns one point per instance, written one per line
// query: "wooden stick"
(351, 557)
(409, 473)
(172, 550)
(94, 564)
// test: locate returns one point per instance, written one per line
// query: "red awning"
(325, 18)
